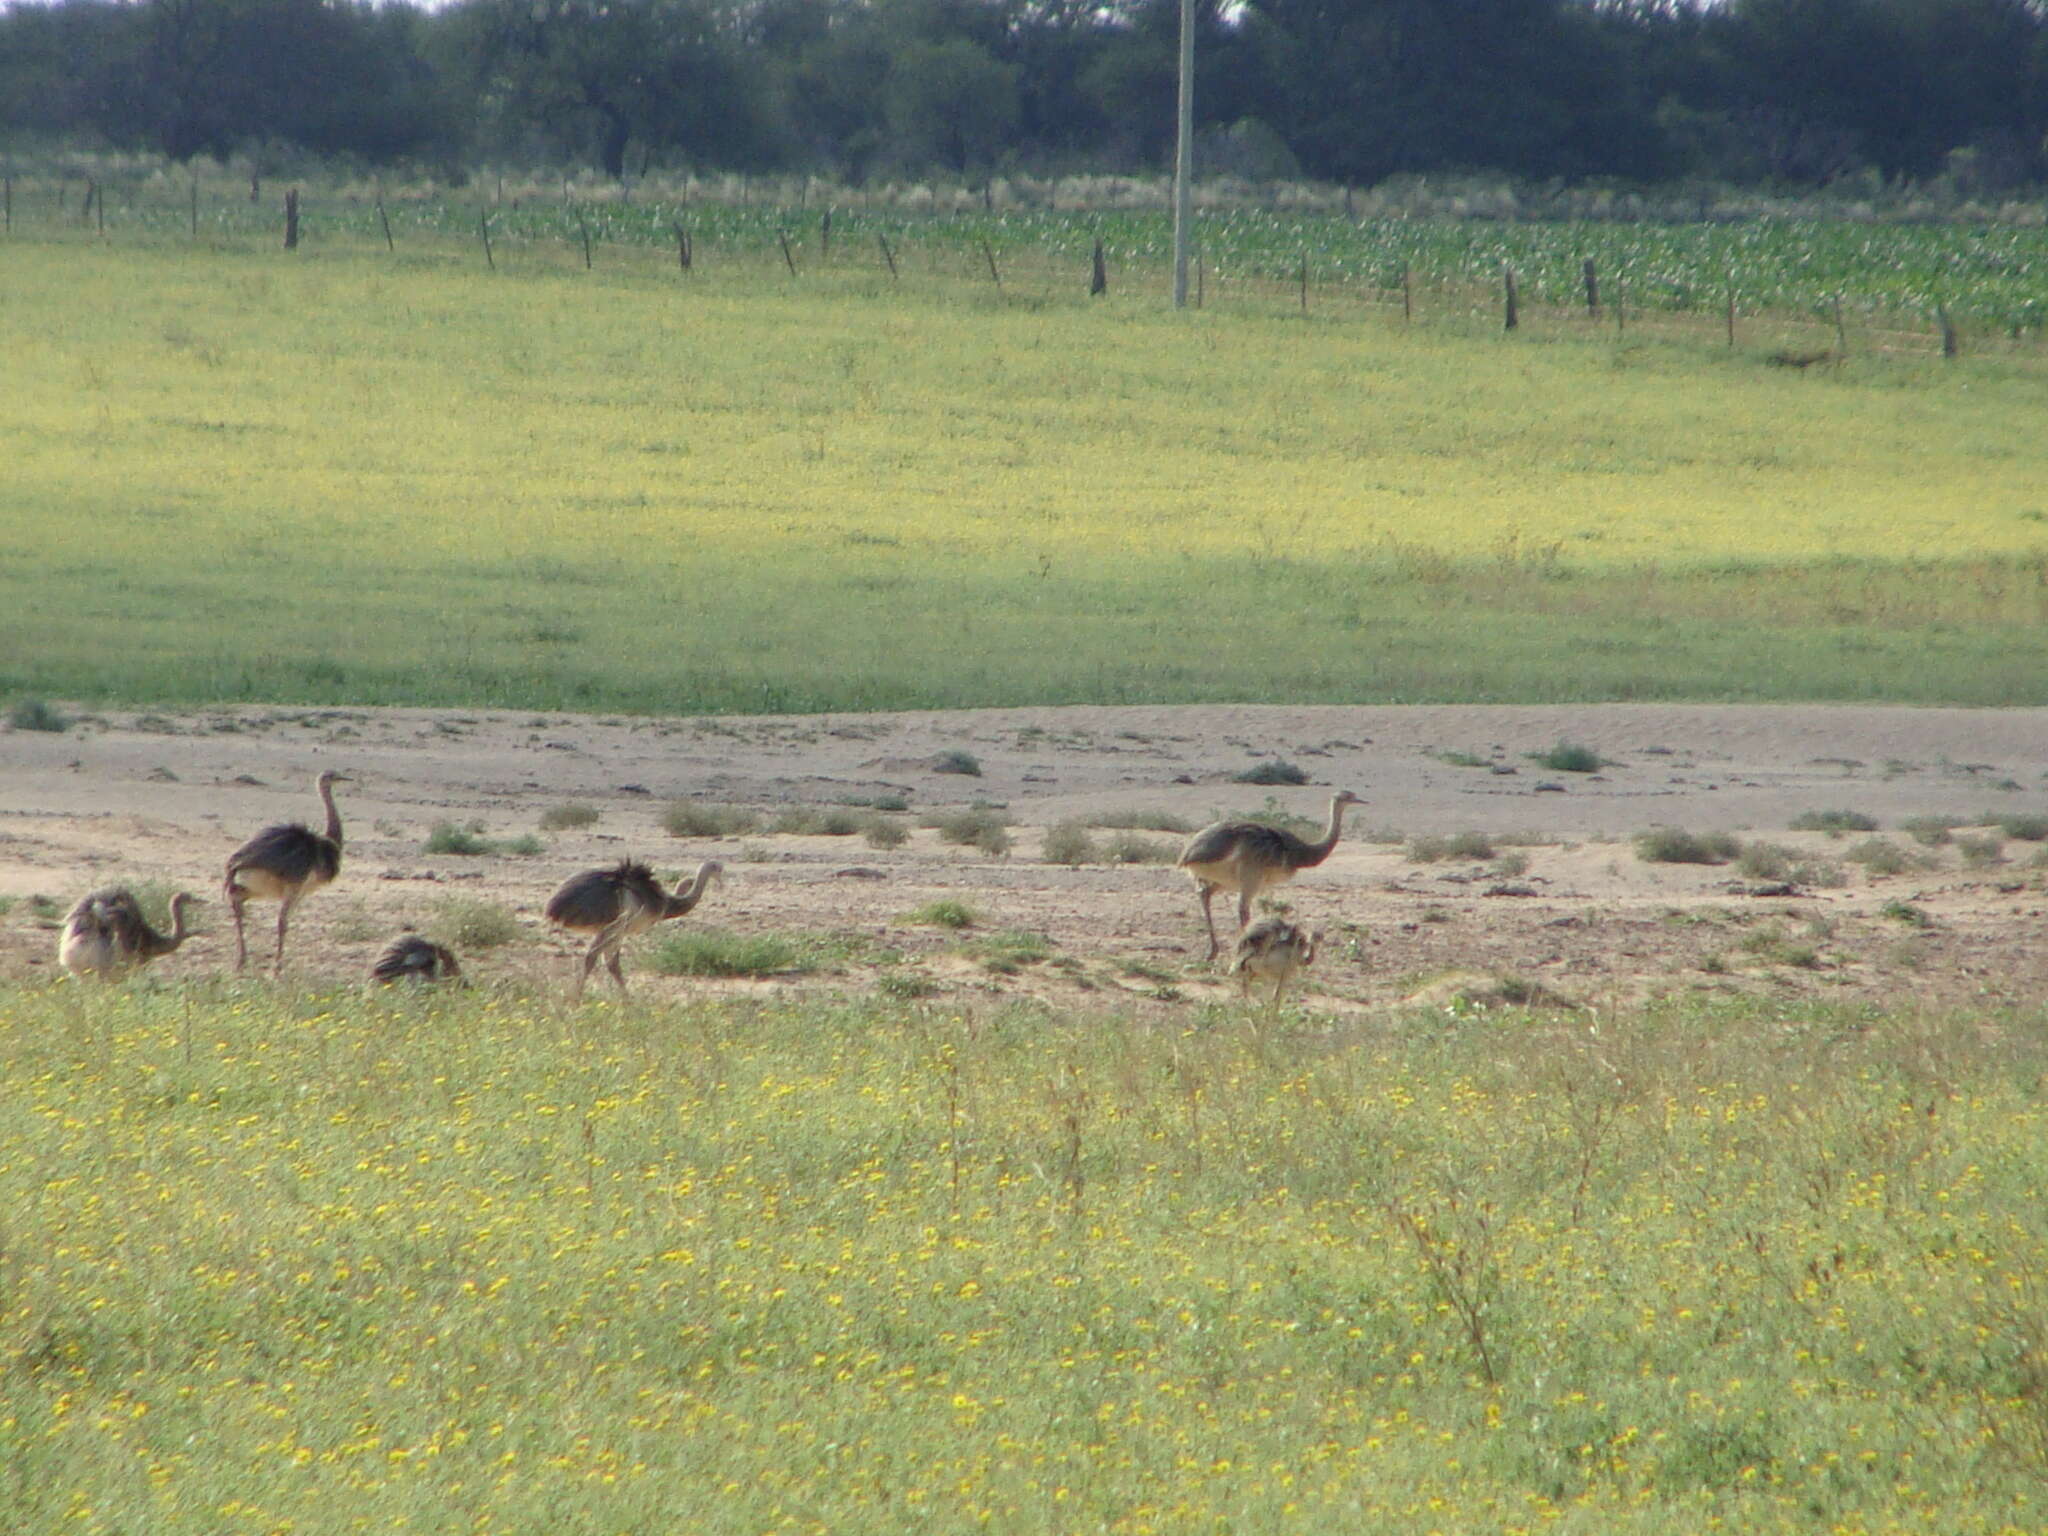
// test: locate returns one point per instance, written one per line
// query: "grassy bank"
(348, 479)
(320, 1262)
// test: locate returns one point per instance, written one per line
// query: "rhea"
(1275, 949)
(614, 904)
(106, 933)
(412, 958)
(281, 864)
(1248, 856)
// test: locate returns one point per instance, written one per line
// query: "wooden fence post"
(887, 255)
(988, 251)
(1098, 273)
(682, 247)
(825, 235)
(1592, 290)
(1731, 314)
(788, 259)
(1201, 267)
(483, 224)
(1304, 282)
(1407, 294)
(385, 219)
(583, 224)
(92, 189)
(1950, 347)
(1620, 309)
(291, 219)
(1508, 283)
(1841, 333)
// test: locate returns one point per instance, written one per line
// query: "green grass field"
(314, 1263)
(344, 477)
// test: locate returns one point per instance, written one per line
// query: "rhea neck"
(1338, 805)
(687, 895)
(333, 815)
(177, 933)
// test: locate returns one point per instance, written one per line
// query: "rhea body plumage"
(614, 904)
(281, 864)
(105, 934)
(1272, 948)
(412, 958)
(1249, 856)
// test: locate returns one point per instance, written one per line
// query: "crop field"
(297, 1261)
(347, 477)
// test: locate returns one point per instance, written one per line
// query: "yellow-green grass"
(324, 1263)
(343, 477)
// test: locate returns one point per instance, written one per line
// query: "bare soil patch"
(1564, 912)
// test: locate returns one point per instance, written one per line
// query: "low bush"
(1674, 845)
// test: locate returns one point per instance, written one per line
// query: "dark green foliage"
(1273, 771)
(1570, 757)
(1674, 845)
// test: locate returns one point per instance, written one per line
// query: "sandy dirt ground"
(1565, 911)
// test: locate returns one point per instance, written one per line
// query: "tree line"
(1783, 92)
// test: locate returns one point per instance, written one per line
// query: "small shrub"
(943, 914)
(975, 828)
(2027, 828)
(1880, 856)
(815, 821)
(714, 952)
(1834, 823)
(1767, 861)
(954, 760)
(526, 845)
(1463, 759)
(1982, 852)
(466, 922)
(1570, 757)
(1905, 912)
(468, 841)
(1932, 831)
(1509, 865)
(687, 818)
(1069, 843)
(37, 715)
(1273, 771)
(1129, 848)
(1680, 846)
(564, 818)
(1142, 821)
(883, 831)
(1674, 845)
(1459, 845)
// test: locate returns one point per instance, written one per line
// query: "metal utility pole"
(1184, 158)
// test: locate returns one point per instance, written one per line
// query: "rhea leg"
(1206, 891)
(235, 900)
(618, 975)
(284, 913)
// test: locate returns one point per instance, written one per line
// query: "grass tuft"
(566, 818)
